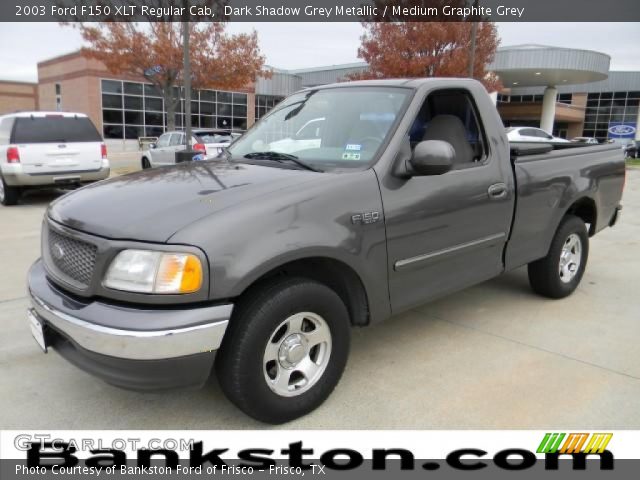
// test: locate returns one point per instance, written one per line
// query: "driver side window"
(450, 115)
(163, 141)
(544, 135)
(176, 139)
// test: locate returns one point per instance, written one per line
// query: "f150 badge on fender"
(365, 218)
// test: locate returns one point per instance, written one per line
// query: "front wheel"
(285, 350)
(145, 163)
(558, 274)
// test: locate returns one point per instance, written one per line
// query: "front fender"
(249, 240)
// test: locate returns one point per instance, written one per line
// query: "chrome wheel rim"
(297, 354)
(570, 258)
(1, 190)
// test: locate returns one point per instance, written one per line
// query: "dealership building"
(570, 92)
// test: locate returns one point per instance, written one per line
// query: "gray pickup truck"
(345, 205)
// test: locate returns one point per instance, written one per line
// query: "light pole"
(186, 79)
(472, 49)
(188, 152)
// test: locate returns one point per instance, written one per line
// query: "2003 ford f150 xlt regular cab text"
(345, 205)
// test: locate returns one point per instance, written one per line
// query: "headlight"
(146, 271)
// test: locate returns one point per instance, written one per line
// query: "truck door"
(446, 232)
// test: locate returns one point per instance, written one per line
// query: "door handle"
(497, 191)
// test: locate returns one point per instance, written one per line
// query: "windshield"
(213, 137)
(327, 128)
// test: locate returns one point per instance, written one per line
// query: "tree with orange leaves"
(154, 51)
(428, 49)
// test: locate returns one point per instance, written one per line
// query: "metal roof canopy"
(541, 65)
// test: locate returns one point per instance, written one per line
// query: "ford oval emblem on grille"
(57, 251)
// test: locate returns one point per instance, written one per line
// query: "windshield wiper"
(280, 157)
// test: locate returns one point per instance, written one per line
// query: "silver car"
(585, 140)
(208, 141)
(531, 134)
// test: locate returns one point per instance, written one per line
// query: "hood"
(152, 205)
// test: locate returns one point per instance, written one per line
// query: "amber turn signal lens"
(191, 275)
(178, 273)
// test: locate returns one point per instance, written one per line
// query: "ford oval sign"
(622, 130)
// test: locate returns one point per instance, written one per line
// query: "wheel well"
(585, 208)
(333, 273)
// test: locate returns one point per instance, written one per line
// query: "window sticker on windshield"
(353, 146)
(350, 156)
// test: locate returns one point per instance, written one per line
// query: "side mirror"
(432, 157)
(152, 146)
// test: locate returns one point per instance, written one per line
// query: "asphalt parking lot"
(493, 356)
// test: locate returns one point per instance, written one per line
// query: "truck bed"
(552, 182)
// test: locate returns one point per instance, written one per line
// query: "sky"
(302, 45)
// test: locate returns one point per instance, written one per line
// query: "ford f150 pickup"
(344, 206)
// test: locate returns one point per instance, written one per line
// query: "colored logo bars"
(574, 443)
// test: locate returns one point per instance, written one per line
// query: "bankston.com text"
(61, 458)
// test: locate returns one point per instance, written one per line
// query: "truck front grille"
(73, 258)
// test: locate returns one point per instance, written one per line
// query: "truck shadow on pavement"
(41, 197)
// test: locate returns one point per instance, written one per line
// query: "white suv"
(48, 148)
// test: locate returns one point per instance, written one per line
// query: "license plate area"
(37, 329)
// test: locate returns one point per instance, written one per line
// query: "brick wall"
(79, 80)
(17, 96)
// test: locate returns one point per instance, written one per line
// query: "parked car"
(210, 142)
(585, 140)
(530, 134)
(269, 258)
(632, 149)
(42, 149)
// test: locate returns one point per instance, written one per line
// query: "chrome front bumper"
(98, 327)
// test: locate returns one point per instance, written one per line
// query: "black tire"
(145, 163)
(9, 195)
(240, 363)
(545, 276)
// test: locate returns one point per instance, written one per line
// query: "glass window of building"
(564, 98)
(264, 103)
(606, 107)
(135, 109)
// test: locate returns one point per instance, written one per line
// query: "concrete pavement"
(492, 356)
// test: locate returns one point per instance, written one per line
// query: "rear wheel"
(558, 274)
(9, 194)
(145, 163)
(285, 350)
